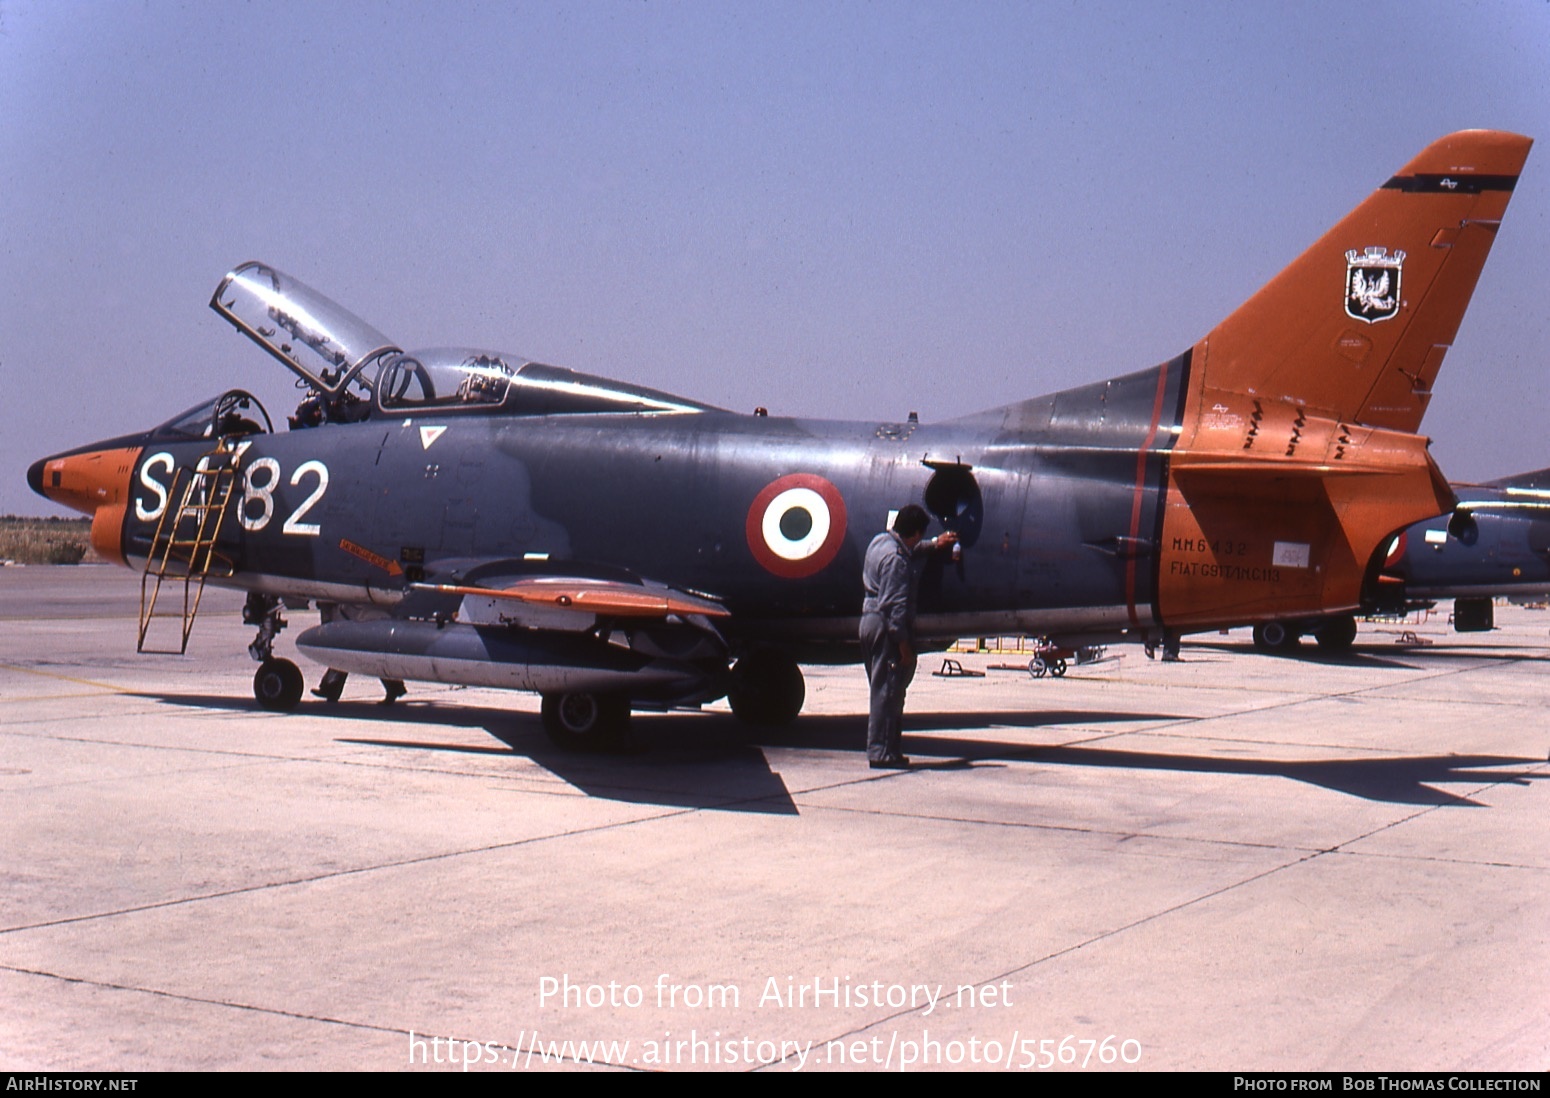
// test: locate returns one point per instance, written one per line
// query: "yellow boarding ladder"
(183, 546)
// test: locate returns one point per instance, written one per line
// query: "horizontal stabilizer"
(1212, 465)
(1529, 507)
(1538, 480)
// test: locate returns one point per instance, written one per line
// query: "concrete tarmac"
(1234, 862)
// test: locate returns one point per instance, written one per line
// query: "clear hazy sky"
(837, 209)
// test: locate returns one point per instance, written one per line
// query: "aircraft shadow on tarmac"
(1308, 653)
(1400, 657)
(1406, 780)
(725, 773)
(711, 761)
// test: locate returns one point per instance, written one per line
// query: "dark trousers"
(889, 675)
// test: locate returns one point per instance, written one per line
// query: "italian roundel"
(796, 525)
(1396, 551)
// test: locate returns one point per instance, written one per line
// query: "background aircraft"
(468, 516)
(1495, 542)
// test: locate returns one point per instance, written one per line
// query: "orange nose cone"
(86, 480)
(94, 482)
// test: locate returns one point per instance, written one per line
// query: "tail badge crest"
(1372, 284)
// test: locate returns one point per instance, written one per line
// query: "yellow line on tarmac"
(66, 678)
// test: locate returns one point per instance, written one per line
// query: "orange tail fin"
(1298, 454)
(1356, 328)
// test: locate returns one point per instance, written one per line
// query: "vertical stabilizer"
(1298, 454)
(1356, 328)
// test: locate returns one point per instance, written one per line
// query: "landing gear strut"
(278, 683)
(767, 689)
(264, 612)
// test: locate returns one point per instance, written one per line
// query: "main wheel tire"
(767, 689)
(1275, 636)
(1337, 635)
(1058, 668)
(277, 685)
(586, 722)
(1038, 667)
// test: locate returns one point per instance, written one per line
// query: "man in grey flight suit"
(888, 628)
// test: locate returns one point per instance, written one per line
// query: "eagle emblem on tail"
(1372, 284)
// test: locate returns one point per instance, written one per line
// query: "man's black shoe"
(892, 762)
(331, 686)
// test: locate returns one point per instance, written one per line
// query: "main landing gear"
(767, 689)
(278, 683)
(580, 721)
(1275, 636)
(1334, 635)
(1337, 634)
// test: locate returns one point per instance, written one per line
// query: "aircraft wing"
(613, 598)
(497, 625)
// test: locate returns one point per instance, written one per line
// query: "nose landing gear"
(278, 683)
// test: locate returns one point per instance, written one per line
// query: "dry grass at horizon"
(45, 540)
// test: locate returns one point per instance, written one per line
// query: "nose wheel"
(277, 685)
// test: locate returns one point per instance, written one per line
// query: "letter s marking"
(157, 488)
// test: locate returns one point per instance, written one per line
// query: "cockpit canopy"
(234, 412)
(323, 343)
(457, 377)
(331, 350)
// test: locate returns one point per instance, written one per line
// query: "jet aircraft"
(468, 516)
(1495, 542)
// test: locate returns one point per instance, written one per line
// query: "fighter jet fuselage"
(463, 515)
(768, 516)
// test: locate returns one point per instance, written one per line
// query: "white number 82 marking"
(263, 493)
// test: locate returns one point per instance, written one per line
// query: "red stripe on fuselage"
(1135, 505)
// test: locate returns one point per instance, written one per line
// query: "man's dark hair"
(912, 520)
